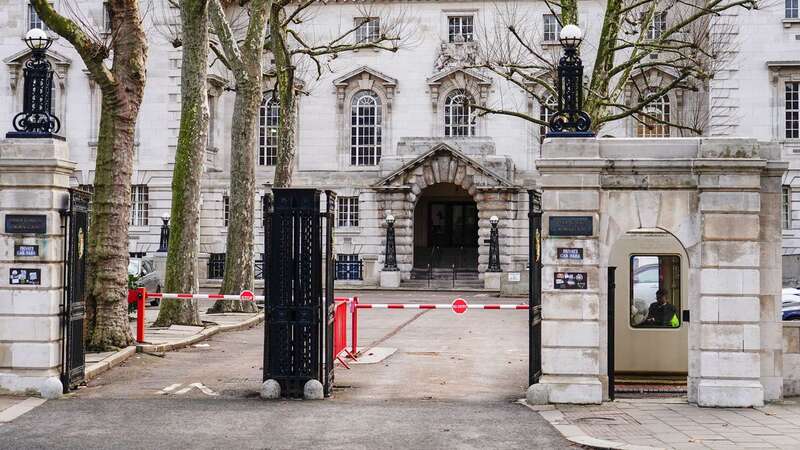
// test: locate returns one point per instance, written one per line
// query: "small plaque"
(569, 280)
(572, 254)
(26, 250)
(21, 276)
(571, 226)
(26, 223)
(513, 276)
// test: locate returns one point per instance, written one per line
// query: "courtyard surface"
(454, 381)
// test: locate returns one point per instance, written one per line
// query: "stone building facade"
(441, 178)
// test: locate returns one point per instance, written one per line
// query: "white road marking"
(169, 389)
(203, 388)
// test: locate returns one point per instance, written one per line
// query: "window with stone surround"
(655, 294)
(657, 26)
(786, 207)
(791, 9)
(268, 131)
(459, 119)
(460, 28)
(369, 29)
(347, 212)
(792, 109)
(140, 205)
(34, 21)
(551, 28)
(655, 122)
(546, 111)
(226, 210)
(366, 129)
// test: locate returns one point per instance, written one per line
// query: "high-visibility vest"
(674, 323)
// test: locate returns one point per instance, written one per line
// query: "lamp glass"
(390, 219)
(571, 36)
(493, 220)
(36, 39)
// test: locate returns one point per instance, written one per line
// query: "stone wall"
(791, 358)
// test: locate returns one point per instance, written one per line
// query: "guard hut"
(688, 228)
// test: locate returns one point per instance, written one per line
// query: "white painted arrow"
(204, 389)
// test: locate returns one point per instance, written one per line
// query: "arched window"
(268, 132)
(655, 122)
(458, 115)
(546, 111)
(365, 129)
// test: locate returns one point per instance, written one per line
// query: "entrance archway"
(446, 229)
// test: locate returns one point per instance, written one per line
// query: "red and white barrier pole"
(206, 297)
(142, 298)
(433, 306)
(354, 329)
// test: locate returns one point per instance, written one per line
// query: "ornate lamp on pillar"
(390, 274)
(163, 243)
(491, 279)
(570, 120)
(36, 119)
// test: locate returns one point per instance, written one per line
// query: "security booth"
(659, 257)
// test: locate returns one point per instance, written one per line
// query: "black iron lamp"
(391, 250)
(494, 246)
(570, 120)
(36, 119)
(163, 244)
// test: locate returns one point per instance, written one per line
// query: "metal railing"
(349, 270)
(216, 266)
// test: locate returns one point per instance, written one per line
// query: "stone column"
(34, 177)
(571, 347)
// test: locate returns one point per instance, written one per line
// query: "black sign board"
(18, 276)
(573, 254)
(26, 250)
(569, 280)
(26, 223)
(571, 226)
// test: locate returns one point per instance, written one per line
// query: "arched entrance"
(445, 229)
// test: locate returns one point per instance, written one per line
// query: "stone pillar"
(34, 177)
(571, 345)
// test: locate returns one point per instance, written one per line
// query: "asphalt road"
(453, 382)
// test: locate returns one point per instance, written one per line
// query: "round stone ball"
(313, 390)
(51, 388)
(270, 390)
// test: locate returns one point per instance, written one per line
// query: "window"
(365, 129)
(34, 21)
(347, 211)
(654, 123)
(216, 266)
(792, 110)
(226, 210)
(460, 28)
(137, 255)
(655, 291)
(458, 120)
(792, 9)
(786, 208)
(348, 267)
(140, 206)
(658, 25)
(551, 28)
(106, 17)
(211, 119)
(268, 132)
(369, 30)
(546, 111)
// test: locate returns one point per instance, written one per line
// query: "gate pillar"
(34, 182)
(298, 289)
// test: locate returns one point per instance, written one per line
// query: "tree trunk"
(239, 247)
(284, 73)
(186, 176)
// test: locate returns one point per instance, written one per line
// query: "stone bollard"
(313, 390)
(270, 390)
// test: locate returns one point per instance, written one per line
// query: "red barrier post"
(142, 294)
(354, 329)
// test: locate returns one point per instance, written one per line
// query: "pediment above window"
(653, 78)
(783, 70)
(16, 62)
(365, 78)
(470, 80)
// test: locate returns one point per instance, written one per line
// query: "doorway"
(446, 229)
(650, 336)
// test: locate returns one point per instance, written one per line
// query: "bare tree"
(645, 51)
(122, 88)
(290, 47)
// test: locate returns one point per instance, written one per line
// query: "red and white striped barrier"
(242, 297)
(433, 306)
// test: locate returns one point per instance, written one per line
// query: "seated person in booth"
(662, 313)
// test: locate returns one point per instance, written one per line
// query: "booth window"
(655, 291)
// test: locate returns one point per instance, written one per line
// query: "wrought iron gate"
(535, 285)
(298, 330)
(612, 298)
(74, 303)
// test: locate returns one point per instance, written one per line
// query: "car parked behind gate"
(144, 274)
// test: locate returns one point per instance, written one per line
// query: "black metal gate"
(74, 300)
(298, 330)
(612, 298)
(535, 285)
